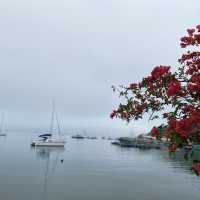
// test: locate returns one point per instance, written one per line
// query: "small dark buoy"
(62, 160)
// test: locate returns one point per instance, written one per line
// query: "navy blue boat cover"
(45, 135)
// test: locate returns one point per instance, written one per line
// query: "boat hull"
(48, 143)
(76, 137)
(196, 147)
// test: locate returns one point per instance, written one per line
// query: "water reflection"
(181, 161)
(52, 156)
(47, 152)
(93, 170)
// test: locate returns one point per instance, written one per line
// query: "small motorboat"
(77, 136)
(93, 138)
(116, 143)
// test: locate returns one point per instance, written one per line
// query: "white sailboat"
(2, 130)
(50, 139)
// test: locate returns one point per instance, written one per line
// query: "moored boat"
(77, 136)
(47, 140)
(196, 147)
(50, 139)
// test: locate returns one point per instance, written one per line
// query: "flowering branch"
(164, 89)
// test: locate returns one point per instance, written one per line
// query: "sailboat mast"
(52, 117)
(2, 121)
(59, 132)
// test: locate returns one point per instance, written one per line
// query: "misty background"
(72, 51)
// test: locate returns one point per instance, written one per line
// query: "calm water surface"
(91, 170)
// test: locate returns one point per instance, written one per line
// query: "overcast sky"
(72, 51)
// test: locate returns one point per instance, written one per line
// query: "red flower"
(171, 126)
(190, 31)
(196, 79)
(196, 118)
(154, 132)
(191, 70)
(184, 127)
(196, 168)
(150, 87)
(194, 85)
(113, 114)
(159, 71)
(172, 123)
(133, 86)
(183, 45)
(191, 87)
(165, 115)
(148, 79)
(198, 28)
(174, 88)
(187, 40)
(188, 109)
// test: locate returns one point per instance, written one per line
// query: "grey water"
(92, 170)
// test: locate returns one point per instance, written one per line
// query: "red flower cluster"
(198, 28)
(184, 127)
(171, 127)
(174, 88)
(191, 70)
(165, 115)
(187, 109)
(190, 31)
(193, 88)
(196, 168)
(159, 71)
(185, 41)
(192, 38)
(133, 86)
(194, 84)
(154, 132)
(195, 117)
(190, 56)
(113, 114)
(148, 79)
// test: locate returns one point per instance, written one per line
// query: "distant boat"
(2, 130)
(93, 138)
(116, 143)
(78, 136)
(50, 139)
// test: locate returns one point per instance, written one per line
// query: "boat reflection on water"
(52, 157)
(47, 151)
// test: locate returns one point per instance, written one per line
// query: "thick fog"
(72, 51)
